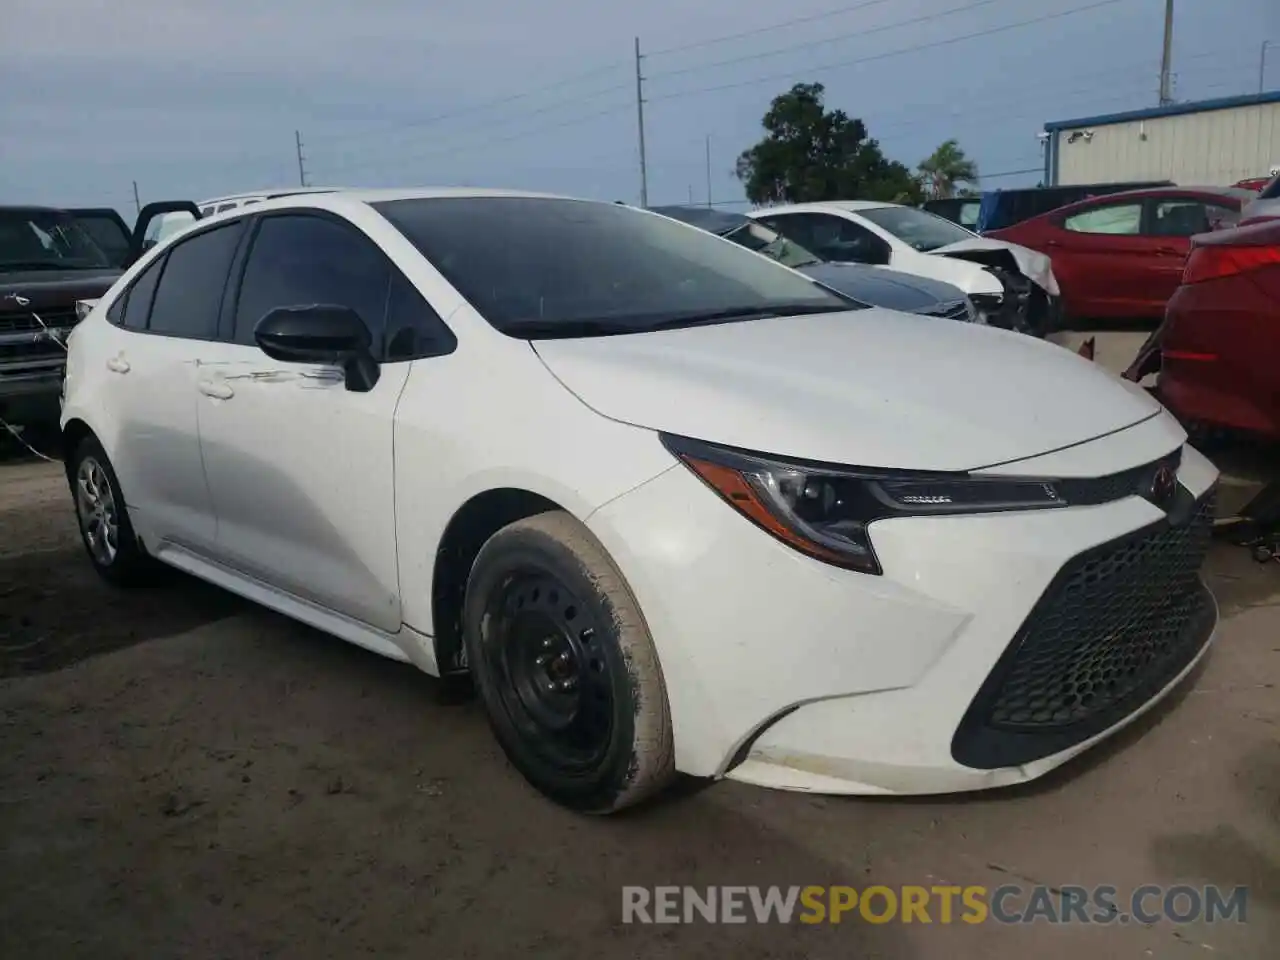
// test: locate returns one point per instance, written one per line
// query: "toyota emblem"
(1163, 485)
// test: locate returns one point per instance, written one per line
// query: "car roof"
(267, 194)
(29, 208)
(343, 197)
(707, 218)
(1143, 193)
(852, 206)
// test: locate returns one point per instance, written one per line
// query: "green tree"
(810, 154)
(945, 169)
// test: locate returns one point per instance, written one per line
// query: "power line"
(826, 41)
(490, 104)
(788, 74)
(533, 131)
(770, 28)
(541, 111)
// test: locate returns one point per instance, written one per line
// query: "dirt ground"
(185, 775)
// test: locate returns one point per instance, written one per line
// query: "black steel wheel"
(565, 666)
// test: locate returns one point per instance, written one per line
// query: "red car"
(1121, 256)
(1218, 350)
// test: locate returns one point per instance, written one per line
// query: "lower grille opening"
(1117, 624)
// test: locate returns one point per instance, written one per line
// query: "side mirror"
(323, 333)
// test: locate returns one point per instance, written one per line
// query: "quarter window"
(298, 259)
(189, 299)
(1117, 219)
(139, 296)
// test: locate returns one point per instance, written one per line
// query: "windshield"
(538, 267)
(917, 228)
(46, 240)
(758, 237)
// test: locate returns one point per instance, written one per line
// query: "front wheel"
(565, 666)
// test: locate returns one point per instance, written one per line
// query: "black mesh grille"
(1117, 624)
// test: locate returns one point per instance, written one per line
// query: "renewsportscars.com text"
(1008, 904)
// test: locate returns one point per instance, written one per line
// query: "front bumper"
(790, 673)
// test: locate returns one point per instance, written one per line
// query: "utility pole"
(708, 171)
(1262, 64)
(644, 171)
(691, 194)
(136, 202)
(302, 170)
(1166, 86)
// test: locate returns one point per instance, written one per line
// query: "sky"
(197, 98)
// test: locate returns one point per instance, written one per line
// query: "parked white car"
(672, 505)
(1012, 285)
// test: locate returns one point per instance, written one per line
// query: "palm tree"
(946, 168)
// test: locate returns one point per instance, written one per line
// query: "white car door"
(163, 323)
(300, 468)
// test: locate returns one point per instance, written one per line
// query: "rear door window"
(1113, 219)
(189, 299)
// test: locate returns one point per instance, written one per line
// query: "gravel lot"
(185, 775)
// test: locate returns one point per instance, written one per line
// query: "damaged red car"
(1218, 350)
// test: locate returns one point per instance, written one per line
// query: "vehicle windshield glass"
(46, 240)
(536, 267)
(758, 237)
(917, 228)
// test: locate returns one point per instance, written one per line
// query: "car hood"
(868, 388)
(1033, 264)
(883, 288)
(57, 287)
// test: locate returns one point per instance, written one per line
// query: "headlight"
(975, 315)
(988, 305)
(824, 511)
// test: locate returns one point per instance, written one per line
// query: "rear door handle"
(1168, 251)
(118, 364)
(218, 389)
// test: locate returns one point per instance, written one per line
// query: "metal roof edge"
(1173, 110)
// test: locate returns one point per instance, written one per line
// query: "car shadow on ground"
(55, 610)
(266, 790)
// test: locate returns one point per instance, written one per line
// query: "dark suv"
(47, 263)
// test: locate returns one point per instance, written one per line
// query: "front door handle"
(1169, 251)
(218, 389)
(118, 364)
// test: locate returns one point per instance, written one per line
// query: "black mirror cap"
(312, 333)
(325, 333)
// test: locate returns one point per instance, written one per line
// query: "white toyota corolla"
(671, 505)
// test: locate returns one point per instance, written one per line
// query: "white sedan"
(671, 505)
(1012, 285)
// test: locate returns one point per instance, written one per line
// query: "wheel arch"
(73, 432)
(472, 524)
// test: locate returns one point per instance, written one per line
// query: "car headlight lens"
(824, 511)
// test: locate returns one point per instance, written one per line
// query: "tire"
(566, 668)
(118, 557)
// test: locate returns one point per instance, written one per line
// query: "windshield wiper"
(557, 329)
(32, 265)
(554, 329)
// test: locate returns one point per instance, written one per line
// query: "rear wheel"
(565, 666)
(108, 535)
